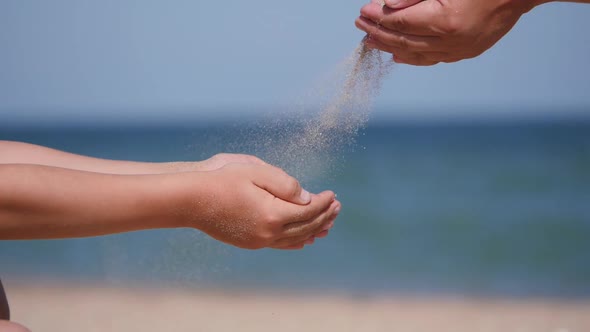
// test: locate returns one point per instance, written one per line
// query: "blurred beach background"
(466, 197)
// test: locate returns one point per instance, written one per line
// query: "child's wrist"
(174, 202)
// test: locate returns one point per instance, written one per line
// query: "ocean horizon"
(499, 208)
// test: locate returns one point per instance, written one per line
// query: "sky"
(123, 60)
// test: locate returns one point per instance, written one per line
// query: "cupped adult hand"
(428, 32)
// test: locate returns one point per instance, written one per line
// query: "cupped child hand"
(428, 32)
(254, 206)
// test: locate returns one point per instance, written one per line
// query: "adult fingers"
(399, 4)
(322, 234)
(374, 43)
(400, 54)
(415, 60)
(417, 20)
(395, 39)
(280, 184)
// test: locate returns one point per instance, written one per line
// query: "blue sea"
(466, 208)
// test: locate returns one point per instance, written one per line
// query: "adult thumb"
(280, 184)
(400, 4)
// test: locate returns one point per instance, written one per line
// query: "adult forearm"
(49, 202)
(24, 153)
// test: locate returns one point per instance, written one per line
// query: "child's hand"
(255, 206)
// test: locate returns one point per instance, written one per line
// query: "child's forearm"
(24, 153)
(49, 202)
(247, 205)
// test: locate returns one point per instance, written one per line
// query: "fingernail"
(305, 196)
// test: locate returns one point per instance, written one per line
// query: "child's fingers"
(313, 220)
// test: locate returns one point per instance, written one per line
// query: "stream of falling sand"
(313, 149)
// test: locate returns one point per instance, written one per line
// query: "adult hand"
(428, 32)
(254, 206)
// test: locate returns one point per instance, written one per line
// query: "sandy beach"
(81, 307)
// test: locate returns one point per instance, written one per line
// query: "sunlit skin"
(6, 326)
(237, 199)
(425, 33)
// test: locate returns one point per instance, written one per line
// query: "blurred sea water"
(500, 209)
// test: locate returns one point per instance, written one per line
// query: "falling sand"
(310, 147)
(308, 144)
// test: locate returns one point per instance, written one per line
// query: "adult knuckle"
(451, 26)
(399, 23)
(403, 43)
